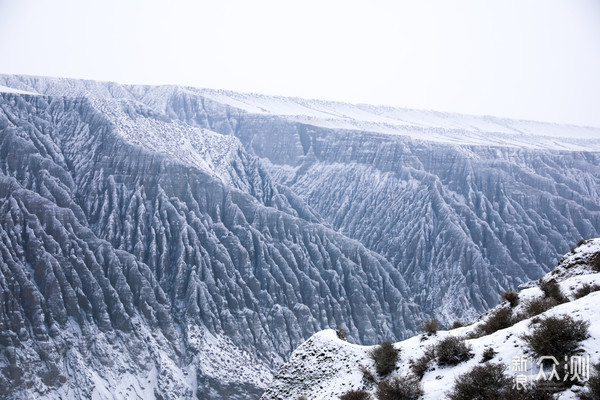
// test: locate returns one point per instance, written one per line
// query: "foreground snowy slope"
(325, 367)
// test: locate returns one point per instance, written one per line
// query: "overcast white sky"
(530, 59)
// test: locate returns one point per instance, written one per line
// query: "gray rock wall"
(102, 237)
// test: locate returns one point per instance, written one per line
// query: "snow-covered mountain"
(326, 367)
(463, 206)
(197, 237)
(141, 255)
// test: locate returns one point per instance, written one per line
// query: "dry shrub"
(552, 290)
(595, 262)
(367, 374)
(430, 326)
(531, 392)
(486, 381)
(341, 332)
(385, 356)
(556, 336)
(488, 354)
(585, 290)
(356, 395)
(457, 324)
(405, 388)
(452, 351)
(511, 297)
(538, 305)
(592, 391)
(489, 382)
(501, 318)
(421, 364)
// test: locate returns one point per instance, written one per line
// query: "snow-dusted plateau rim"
(420, 125)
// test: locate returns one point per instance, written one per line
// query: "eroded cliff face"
(462, 220)
(142, 256)
(202, 235)
(463, 207)
(460, 223)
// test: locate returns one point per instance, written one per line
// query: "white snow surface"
(417, 124)
(6, 89)
(325, 367)
(216, 356)
(208, 151)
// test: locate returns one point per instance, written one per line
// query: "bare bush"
(489, 382)
(595, 262)
(457, 324)
(486, 381)
(585, 290)
(452, 351)
(556, 336)
(341, 332)
(592, 391)
(552, 290)
(405, 388)
(385, 356)
(530, 392)
(421, 364)
(538, 305)
(430, 326)
(367, 374)
(511, 297)
(488, 354)
(501, 318)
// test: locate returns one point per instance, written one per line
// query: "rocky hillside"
(142, 256)
(326, 367)
(461, 206)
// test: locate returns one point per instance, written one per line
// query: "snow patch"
(6, 89)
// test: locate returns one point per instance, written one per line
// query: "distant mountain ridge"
(426, 125)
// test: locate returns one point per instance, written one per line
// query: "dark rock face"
(462, 223)
(126, 264)
(461, 229)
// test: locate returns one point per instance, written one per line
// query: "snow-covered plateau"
(180, 243)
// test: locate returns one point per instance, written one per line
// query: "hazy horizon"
(534, 60)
